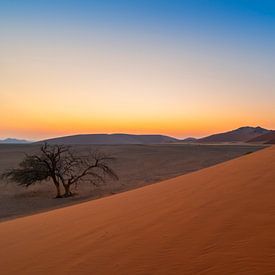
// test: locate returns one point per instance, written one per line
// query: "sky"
(180, 68)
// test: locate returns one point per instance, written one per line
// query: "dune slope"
(220, 220)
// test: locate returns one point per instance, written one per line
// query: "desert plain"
(136, 166)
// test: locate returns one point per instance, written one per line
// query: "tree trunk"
(68, 192)
(58, 193)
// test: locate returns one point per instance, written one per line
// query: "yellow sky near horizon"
(50, 90)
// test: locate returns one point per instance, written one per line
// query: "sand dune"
(220, 220)
(242, 134)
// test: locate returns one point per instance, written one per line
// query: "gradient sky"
(182, 68)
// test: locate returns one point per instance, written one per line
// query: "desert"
(207, 222)
(136, 165)
(137, 137)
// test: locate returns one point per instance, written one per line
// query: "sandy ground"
(136, 165)
(219, 220)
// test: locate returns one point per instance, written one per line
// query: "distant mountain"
(14, 141)
(111, 139)
(242, 134)
(189, 140)
(268, 138)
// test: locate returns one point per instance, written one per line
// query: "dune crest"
(220, 220)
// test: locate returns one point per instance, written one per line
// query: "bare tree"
(63, 167)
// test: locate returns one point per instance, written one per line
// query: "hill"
(219, 220)
(189, 140)
(111, 139)
(268, 138)
(242, 134)
(14, 141)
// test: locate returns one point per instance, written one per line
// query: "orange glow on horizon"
(94, 88)
(38, 128)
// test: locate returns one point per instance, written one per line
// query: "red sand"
(220, 220)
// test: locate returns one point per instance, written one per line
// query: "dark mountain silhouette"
(242, 134)
(268, 138)
(14, 141)
(111, 139)
(189, 140)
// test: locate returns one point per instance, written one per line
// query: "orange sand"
(220, 220)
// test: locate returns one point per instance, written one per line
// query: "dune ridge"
(219, 220)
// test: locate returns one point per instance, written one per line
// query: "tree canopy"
(63, 166)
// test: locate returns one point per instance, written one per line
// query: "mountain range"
(242, 134)
(13, 141)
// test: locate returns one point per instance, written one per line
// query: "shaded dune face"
(268, 138)
(220, 220)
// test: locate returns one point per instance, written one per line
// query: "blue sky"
(212, 62)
